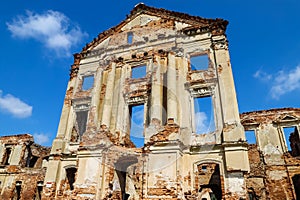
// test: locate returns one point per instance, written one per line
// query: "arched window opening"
(209, 178)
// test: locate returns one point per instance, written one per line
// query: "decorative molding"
(136, 100)
(220, 44)
(202, 91)
(81, 104)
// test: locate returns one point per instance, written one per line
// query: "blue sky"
(38, 39)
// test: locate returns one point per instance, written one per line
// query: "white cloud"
(137, 122)
(285, 82)
(51, 28)
(281, 82)
(259, 74)
(14, 106)
(41, 138)
(201, 122)
(138, 116)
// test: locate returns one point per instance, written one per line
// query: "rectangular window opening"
(137, 125)
(33, 161)
(204, 115)
(88, 82)
(199, 62)
(81, 119)
(250, 136)
(18, 188)
(6, 156)
(292, 139)
(129, 38)
(39, 190)
(138, 71)
(296, 183)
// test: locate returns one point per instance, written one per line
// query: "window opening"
(250, 136)
(74, 134)
(199, 62)
(121, 167)
(88, 82)
(39, 189)
(165, 101)
(81, 119)
(204, 115)
(137, 125)
(28, 152)
(33, 160)
(18, 188)
(291, 135)
(138, 72)
(129, 38)
(5, 160)
(251, 194)
(210, 185)
(122, 181)
(287, 132)
(71, 176)
(296, 183)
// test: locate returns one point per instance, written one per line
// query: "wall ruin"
(23, 167)
(274, 164)
(97, 153)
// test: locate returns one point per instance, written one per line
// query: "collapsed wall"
(22, 168)
(273, 153)
(150, 112)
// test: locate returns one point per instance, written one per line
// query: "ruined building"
(274, 153)
(150, 112)
(22, 167)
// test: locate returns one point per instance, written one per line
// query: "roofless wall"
(150, 112)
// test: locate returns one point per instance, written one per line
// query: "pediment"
(140, 20)
(287, 118)
(143, 16)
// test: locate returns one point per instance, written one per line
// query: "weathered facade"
(274, 156)
(23, 167)
(150, 112)
(155, 64)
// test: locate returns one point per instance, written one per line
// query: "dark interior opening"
(209, 176)
(39, 189)
(121, 170)
(81, 119)
(5, 160)
(33, 160)
(71, 176)
(296, 183)
(294, 143)
(18, 190)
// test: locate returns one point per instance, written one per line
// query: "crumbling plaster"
(98, 159)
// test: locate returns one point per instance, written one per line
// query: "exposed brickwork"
(95, 154)
(268, 179)
(24, 168)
